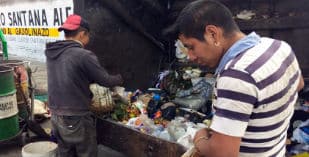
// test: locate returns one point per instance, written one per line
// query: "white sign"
(8, 106)
(29, 24)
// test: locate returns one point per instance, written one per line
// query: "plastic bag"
(196, 96)
(181, 51)
(301, 133)
(194, 102)
(176, 128)
(102, 101)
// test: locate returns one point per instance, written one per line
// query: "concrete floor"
(10, 150)
(14, 147)
(14, 150)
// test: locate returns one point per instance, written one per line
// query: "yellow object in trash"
(306, 154)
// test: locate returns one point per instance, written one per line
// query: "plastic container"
(8, 104)
(40, 149)
(21, 78)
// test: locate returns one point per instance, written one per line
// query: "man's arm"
(218, 145)
(97, 74)
(235, 96)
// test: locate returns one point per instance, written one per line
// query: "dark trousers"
(76, 135)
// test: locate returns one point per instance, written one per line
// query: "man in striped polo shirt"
(257, 83)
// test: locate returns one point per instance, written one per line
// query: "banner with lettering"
(29, 24)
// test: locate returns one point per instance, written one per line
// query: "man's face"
(202, 52)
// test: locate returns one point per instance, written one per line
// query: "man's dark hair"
(193, 19)
(70, 33)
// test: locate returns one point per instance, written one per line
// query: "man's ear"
(82, 33)
(212, 34)
(79, 35)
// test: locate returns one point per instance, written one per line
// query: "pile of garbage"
(180, 104)
(298, 133)
(174, 109)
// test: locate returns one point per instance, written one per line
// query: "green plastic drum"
(9, 126)
(21, 84)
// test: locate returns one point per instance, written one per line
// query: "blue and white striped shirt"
(256, 93)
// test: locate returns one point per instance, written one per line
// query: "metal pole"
(4, 46)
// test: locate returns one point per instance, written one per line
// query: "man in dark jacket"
(70, 70)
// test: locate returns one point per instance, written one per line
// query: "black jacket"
(70, 70)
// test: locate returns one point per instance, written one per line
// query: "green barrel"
(9, 126)
(21, 84)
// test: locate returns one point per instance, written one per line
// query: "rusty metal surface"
(120, 48)
(124, 49)
(134, 143)
(283, 20)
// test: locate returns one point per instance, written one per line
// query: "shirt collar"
(237, 48)
(79, 42)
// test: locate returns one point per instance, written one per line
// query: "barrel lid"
(12, 62)
(4, 69)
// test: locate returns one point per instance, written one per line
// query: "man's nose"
(191, 57)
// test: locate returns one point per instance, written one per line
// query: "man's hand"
(217, 145)
(201, 133)
(200, 140)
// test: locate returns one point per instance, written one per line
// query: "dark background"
(127, 35)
